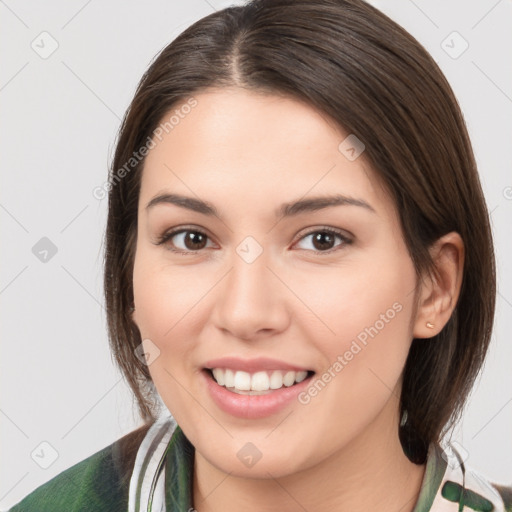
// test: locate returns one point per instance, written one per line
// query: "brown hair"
(351, 62)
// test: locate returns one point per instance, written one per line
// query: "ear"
(439, 294)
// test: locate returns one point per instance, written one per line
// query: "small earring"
(430, 325)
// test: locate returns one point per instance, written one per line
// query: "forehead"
(265, 148)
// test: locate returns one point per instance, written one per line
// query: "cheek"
(364, 335)
(173, 304)
(168, 305)
(358, 301)
(167, 298)
(369, 311)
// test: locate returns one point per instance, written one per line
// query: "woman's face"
(270, 285)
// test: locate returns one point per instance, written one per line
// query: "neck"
(372, 473)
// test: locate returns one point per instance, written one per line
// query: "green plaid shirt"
(160, 479)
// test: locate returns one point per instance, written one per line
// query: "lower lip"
(253, 406)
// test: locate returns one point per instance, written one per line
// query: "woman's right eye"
(186, 241)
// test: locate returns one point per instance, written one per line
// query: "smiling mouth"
(257, 383)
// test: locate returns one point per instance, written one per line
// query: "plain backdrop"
(68, 72)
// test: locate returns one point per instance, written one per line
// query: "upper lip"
(253, 365)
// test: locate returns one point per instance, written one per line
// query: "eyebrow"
(285, 210)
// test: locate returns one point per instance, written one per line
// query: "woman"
(299, 267)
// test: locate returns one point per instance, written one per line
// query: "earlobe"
(440, 292)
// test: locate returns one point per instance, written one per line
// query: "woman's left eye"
(191, 241)
(322, 240)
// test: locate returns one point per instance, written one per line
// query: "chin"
(256, 460)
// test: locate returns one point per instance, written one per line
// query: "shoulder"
(100, 482)
(482, 493)
(465, 485)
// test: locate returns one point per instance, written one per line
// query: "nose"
(251, 302)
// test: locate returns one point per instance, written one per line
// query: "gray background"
(59, 118)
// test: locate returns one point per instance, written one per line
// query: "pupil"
(321, 239)
(194, 238)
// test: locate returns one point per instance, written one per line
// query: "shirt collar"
(435, 470)
(179, 473)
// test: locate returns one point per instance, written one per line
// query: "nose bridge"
(250, 299)
(248, 283)
(249, 277)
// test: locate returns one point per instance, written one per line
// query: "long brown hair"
(351, 62)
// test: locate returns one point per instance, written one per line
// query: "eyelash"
(162, 239)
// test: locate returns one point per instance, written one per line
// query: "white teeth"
(301, 376)
(229, 378)
(276, 380)
(219, 376)
(260, 381)
(257, 382)
(242, 381)
(289, 379)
